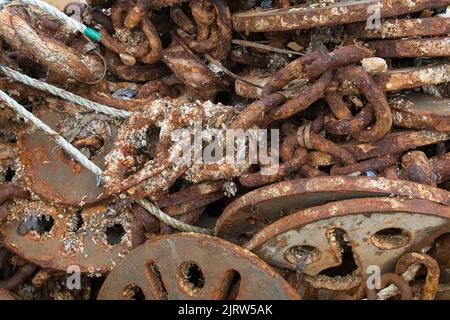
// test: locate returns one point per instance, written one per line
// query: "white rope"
(85, 162)
(64, 94)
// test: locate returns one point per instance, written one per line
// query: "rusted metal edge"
(347, 207)
(298, 17)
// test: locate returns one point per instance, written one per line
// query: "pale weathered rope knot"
(303, 136)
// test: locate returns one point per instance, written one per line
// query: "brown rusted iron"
(18, 272)
(393, 143)
(421, 111)
(306, 17)
(102, 94)
(398, 281)
(213, 28)
(441, 167)
(57, 237)
(160, 173)
(71, 62)
(375, 230)
(163, 269)
(376, 100)
(415, 167)
(144, 44)
(7, 295)
(401, 28)
(301, 102)
(285, 169)
(391, 80)
(404, 48)
(191, 70)
(440, 250)
(9, 192)
(377, 164)
(363, 167)
(260, 207)
(48, 168)
(339, 57)
(137, 73)
(432, 279)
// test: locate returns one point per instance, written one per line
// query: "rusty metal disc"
(7, 295)
(56, 237)
(421, 111)
(375, 231)
(257, 209)
(193, 266)
(50, 173)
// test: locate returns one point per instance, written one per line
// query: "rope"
(177, 224)
(85, 162)
(74, 152)
(70, 22)
(64, 94)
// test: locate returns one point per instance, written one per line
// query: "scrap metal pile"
(359, 91)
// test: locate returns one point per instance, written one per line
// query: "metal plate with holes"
(193, 266)
(376, 230)
(257, 209)
(50, 173)
(421, 111)
(55, 238)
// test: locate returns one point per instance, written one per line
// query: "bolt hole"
(133, 292)
(40, 224)
(233, 279)
(390, 238)
(190, 278)
(341, 244)
(154, 278)
(9, 175)
(114, 234)
(307, 253)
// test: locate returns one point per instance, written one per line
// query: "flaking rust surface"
(260, 207)
(215, 257)
(361, 219)
(51, 174)
(421, 112)
(69, 241)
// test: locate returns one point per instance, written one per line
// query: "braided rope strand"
(64, 94)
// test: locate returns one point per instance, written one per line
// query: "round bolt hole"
(390, 238)
(307, 253)
(133, 292)
(114, 234)
(190, 278)
(42, 224)
(9, 175)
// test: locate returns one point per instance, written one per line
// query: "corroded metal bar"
(299, 17)
(392, 80)
(399, 28)
(414, 77)
(391, 144)
(420, 111)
